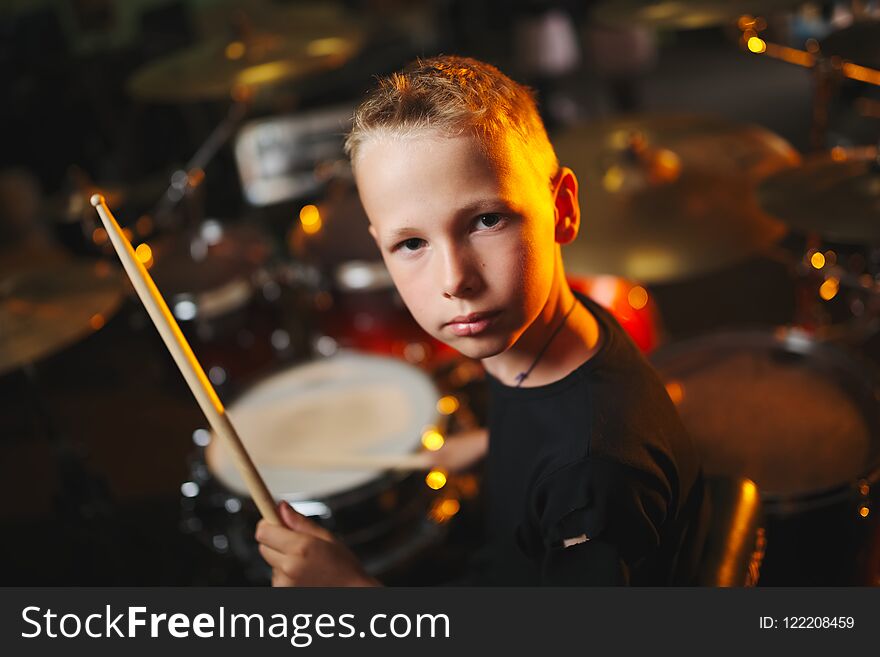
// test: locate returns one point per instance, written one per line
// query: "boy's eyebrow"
(400, 232)
(482, 205)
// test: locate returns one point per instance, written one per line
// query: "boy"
(591, 477)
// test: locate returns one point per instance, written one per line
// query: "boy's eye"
(412, 244)
(488, 220)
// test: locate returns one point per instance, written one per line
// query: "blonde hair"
(454, 94)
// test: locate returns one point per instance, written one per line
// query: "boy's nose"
(461, 277)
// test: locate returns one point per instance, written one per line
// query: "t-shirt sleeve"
(591, 521)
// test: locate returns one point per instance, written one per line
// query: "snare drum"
(802, 420)
(348, 404)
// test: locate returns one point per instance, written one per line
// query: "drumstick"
(330, 461)
(186, 361)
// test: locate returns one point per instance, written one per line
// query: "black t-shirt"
(599, 457)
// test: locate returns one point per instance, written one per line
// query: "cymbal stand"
(185, 182)
(829, 72)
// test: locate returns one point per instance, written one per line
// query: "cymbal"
(836, 195)
(859, 43)
(254, 60)
(685, 14)
(52, 303)
(670, 196)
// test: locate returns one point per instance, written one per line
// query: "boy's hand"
(305, 554)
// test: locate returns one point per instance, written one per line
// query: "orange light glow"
(447, 405)
(637, 297)
(327, 46)
(675, 391)
(310, 218)
(435, 479)
(756, 44)
(864, 511)
(443, 510)
(790, 55)
(817, 260)
(235, 50)
(666, 166)
(99, 236)
(450, 507)
(612, 181)
(144, 254)
(838, 154)
(127, 233)
(97, 321)
(861, 73)
(829, 289)
(745, 22)
(432, 439)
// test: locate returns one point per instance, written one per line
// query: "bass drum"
(348, 404)
(802, 420)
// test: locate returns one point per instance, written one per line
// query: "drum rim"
(796, 341)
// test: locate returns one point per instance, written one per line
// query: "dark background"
(115, 396)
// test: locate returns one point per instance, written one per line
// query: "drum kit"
(314, 349)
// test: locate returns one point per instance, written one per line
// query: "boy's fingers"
(280, 579)
(280, 538)
(281, 563)
(272, 556)
(298, 522)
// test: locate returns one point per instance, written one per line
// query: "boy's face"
(468, 237)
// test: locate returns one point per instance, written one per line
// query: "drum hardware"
(802, 419)
(184, 183)
(832, 202)
(231, 301)
(847, 54)
(78, 228)
(73, 219)
(850, 53)
(670, 196)
(290, 157)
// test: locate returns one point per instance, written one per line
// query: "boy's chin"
(478, 349)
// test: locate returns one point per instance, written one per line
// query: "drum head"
(797, 417)
(348, 404)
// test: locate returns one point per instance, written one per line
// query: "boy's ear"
(567, 207)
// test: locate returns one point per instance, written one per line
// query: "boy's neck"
(576, 340)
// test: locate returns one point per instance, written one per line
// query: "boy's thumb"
(300, 523)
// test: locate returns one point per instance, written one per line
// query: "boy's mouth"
(473, 324)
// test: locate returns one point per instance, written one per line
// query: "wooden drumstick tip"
(96, 200)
